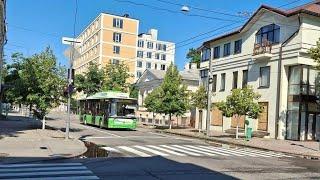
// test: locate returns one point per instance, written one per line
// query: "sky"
(35, 24)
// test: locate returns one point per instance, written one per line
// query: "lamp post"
(71, 42)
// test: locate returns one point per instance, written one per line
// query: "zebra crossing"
(190, 150)
(48, 171)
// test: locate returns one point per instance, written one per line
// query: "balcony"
(262, 51)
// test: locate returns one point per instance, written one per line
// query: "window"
(244, 78)
(155, 66)
(163, 67)
(148, 65)
(139, 74)
(116, 49)
(223, 82)
(140, 54)
(206, 54)
(115, 61)
(150, 45)
(265, 76)
(149, 55)
(140, 43)
(118, 23)
(216, 52)
(235, 80)
(214, 83)
(204, 73)
(116, 37)
(226, 49)
(139, 64)
(164, 47)
(237, 46)
(269, 33)
(157, 56)
(163, 57)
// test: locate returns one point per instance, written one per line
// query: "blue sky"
(35, 24)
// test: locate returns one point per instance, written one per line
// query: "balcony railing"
(264, 47)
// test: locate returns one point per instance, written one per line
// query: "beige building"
(269, 53)
(108, 39)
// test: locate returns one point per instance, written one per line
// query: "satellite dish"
(185, 8)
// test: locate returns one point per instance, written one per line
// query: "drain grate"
(43, 147)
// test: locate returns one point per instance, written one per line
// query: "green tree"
(116, 77)
(134, 91)
(91, 81)
(153, 101)
(194, 56)
(241, 102)
(314, 53)
(199, 100)
(36, 81)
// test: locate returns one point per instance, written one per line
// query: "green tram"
(108, 110)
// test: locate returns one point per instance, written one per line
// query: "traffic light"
(72, 74)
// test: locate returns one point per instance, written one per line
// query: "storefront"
(303, 114)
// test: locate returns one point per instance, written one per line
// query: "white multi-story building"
(269, 53)
(153, 53)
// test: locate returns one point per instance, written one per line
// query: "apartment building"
(269, 53)
(108, 39)
(114, 39)
(151, 79)
(153, 53)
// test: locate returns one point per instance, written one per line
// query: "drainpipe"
(279, 78)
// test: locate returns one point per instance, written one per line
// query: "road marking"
(152, 151)
(41, 169)
(131, 150)
(111, 149)
(180, 150)
(93, 128)
(249, 153)
(194, 150)
(271, 153)
(209, 151)
(45, 173)
(222, 150)
(166, 150)
(44, 164)
(125, 137)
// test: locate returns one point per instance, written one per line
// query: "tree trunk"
(153, 121)
(44, 122)
(237, 130)
(30, 109)
(200, 120)
(170, 122)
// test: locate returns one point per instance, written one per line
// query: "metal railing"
(264, 47)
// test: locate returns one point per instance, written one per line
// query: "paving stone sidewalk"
(309, 149)
(22, 139)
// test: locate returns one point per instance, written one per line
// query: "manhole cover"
(4, 154)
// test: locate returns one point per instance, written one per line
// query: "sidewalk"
(309, 149)
(22, 139)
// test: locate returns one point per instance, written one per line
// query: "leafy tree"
(194, 56)
(36, 81)
(117, 76)
(153, 101)
(91, 81)
(315, 54)
(134, 91)
(199, 98)
(241, 102)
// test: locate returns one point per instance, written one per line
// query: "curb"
(239, 145)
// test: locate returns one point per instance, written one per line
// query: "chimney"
(126, 15)
(153, 33)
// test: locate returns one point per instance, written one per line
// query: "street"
(143, 154)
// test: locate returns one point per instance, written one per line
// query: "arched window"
(270, 33)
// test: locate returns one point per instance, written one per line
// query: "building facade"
(108, 39)
(114, 39)
(152, 79)
(270, 54)
(153, 53)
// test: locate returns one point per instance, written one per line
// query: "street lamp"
(185, 9)
(71, 42)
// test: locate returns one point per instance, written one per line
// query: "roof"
(312, 8)
(106, 95)
(190, 74)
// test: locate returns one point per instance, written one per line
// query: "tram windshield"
(123, 107)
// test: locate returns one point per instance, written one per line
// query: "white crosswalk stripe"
(191, 150)
(54, 171)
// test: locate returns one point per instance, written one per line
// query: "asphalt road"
(144, 154)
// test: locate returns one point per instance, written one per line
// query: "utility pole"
(209, 95)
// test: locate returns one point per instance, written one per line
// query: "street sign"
(70, 41)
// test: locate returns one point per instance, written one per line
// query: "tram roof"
(108, 95)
